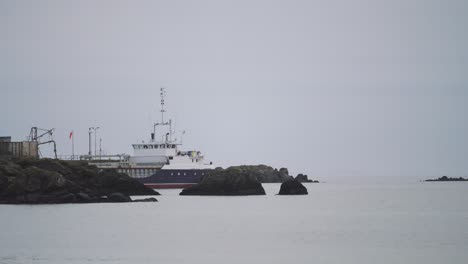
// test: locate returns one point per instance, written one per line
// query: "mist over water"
(352, 222)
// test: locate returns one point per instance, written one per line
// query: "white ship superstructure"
(159, 163)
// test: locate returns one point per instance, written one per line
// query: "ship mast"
(168, 136)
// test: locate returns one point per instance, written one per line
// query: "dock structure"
(10, 148)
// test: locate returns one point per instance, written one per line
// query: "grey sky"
(324, 87)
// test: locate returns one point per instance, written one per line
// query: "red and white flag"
(71, 134)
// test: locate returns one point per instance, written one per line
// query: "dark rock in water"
(152, 199)
(292, 187)
(304, 178)
(118, 198)
(232, 181)
(37, 181)
(445, 178)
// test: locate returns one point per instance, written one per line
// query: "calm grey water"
(384, 220)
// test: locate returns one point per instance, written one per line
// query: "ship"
(159, 163)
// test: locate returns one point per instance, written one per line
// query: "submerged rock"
(36, 181)
(151, 199)
(231, 181)
(292, 187)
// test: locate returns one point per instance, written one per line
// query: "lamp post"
(95, 134)
(100, 148)
(89, 132)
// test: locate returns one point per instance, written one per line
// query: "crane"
(34, 136)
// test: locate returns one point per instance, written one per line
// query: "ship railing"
(68, 157)
(114, 158)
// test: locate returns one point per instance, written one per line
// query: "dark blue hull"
(173, 178)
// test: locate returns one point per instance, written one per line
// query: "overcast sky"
(329, 88)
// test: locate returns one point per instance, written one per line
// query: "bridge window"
(156, 146)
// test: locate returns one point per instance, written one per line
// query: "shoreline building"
(10, 148)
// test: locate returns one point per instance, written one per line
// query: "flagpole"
(73, 145)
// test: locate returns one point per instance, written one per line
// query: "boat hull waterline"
(173, 179)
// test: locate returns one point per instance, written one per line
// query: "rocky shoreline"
(247, 180)
(47, 181)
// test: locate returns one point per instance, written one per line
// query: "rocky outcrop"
(445, 178)
(292, 187)
(265, 174)
(304, 178)
(231, 181)
(36, 181)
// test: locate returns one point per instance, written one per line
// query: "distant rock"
(231, 181)
(37, 181)
(304, 178)
(292, 187)
(445, 178)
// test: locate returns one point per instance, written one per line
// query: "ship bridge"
(155, 149)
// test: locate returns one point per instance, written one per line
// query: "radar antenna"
(162, 123)
(163, 94)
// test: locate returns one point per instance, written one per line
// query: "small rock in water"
(292, 187)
